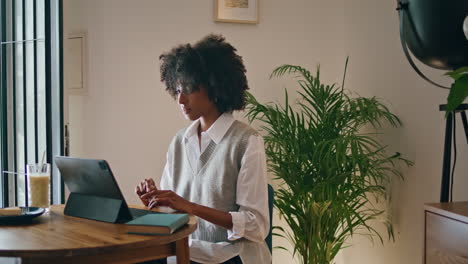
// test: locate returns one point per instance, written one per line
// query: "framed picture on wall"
(236, 11)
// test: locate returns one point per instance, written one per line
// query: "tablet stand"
(94, 207)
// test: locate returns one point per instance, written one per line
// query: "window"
(30, 93)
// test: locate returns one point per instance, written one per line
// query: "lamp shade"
(465, 27)
(435, 32)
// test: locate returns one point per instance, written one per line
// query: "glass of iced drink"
(38, 176)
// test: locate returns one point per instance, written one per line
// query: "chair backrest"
(271, 197)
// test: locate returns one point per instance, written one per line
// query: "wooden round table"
(56, 238)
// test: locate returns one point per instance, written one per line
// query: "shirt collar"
(192, 129)
(217, 130)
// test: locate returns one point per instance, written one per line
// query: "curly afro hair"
(211, 63)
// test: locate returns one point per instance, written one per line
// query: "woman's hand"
(174, 201)
(143, 188)
(170, 199)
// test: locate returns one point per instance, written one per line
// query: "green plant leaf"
(458, 93)
(458, 73)
(283, 248)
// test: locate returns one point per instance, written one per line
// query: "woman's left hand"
(170, 199)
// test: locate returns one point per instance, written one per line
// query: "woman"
(216, 167)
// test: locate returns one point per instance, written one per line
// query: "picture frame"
(236, 11)
(76, 63)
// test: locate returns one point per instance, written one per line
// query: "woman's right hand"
(143, 188)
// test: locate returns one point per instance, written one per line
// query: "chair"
(271, 197)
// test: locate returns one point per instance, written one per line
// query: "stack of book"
(157, 224)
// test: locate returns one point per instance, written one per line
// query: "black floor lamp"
(446, 187)
(434, 32)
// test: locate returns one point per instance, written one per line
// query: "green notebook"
(156, 224)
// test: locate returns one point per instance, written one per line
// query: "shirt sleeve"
(252, 220)
(166, 179)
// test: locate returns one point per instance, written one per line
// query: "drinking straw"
(42, 162)
(12, 172)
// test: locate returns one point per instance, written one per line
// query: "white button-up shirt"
(251, 223)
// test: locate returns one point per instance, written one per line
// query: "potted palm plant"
(329, 170)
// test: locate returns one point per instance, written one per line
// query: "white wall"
(128, 119)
